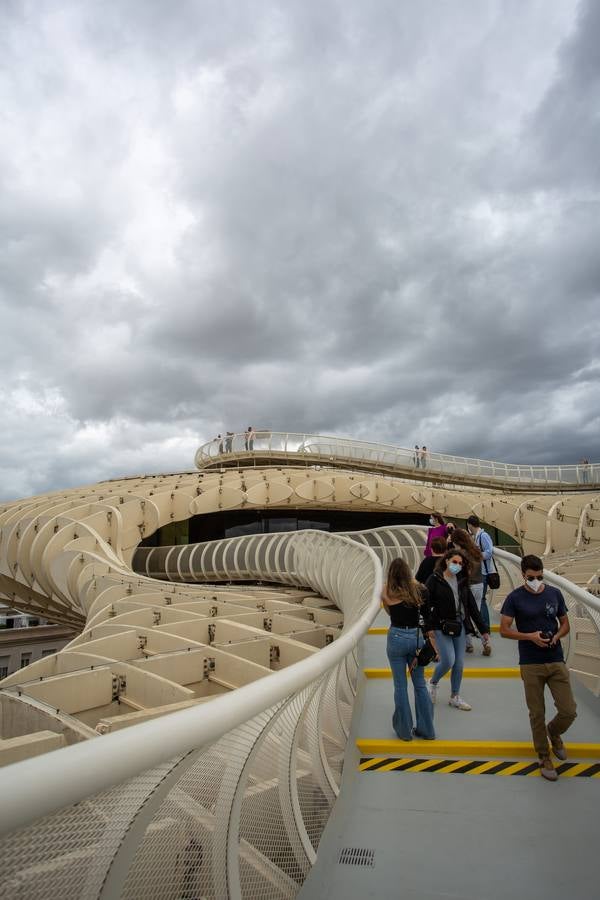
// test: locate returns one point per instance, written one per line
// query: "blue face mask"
(454, 568)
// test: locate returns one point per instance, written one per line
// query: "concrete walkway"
(431, 835)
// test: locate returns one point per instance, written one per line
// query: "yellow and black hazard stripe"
(473, 766)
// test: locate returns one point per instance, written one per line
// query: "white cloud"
(326, 217)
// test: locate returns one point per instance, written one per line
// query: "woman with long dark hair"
(404, 599)
(462, 540)
(453, 614)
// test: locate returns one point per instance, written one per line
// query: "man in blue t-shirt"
(540, 614)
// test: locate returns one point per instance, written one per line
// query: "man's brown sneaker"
(547, 770)
(558, 748)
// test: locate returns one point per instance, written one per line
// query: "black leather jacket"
(443, 606)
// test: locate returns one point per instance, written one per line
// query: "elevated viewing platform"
(283, 448)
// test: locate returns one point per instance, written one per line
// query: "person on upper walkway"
(428, 563)
(438, 528)
(417, 457)
(249, 438)
(584, 469)
(405, 601)
(540, 614)
(452, 615)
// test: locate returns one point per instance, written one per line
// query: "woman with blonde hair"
(405, 601)
(462, 540)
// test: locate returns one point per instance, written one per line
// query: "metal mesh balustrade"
(67, 854)
(240, 809)
(239, 816)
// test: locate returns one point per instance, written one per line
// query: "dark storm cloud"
(378, 220)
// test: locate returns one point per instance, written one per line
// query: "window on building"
(4, 660)
(48, 652)
(25, 659)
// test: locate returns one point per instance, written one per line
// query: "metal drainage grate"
(357, 856)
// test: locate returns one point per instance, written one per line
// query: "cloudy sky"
(372, 219)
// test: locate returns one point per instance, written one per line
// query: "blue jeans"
(452, 656)
(402, 647)
(477, 591)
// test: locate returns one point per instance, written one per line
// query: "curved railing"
(385, 457)
(582, 646)
(229, 799)
(226, 799)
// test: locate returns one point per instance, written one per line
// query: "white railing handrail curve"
(585, 597)
(39, 786)
(559, 581)
(303, 444)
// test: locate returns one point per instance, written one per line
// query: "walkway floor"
(438, 836)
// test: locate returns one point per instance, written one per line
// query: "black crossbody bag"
(493, 578)
(427, 652)
(450, 628)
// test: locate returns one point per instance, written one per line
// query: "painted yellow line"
(391, 765)
(453, 765)
(580, 767)
(482, 769)
(516, 767)
(421, 767)
(468, 672)
(505, 768)
(495, 629)
(475, 749)
(366, 764)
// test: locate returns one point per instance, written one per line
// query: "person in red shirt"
(438, 529)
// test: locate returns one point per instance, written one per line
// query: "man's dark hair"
(473, 520)
(532, 562)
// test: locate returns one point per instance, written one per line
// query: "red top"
(438, 531)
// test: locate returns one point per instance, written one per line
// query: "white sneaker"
(459, 703)
(432, 688)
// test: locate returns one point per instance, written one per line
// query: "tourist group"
(437, 615)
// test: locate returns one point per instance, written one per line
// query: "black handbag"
(492, 578)
(451, 628)
(493, 581)
(426, 654)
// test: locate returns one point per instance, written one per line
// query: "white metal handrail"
(330, 564)
(407, 541)
(228, 799)
(302, 446)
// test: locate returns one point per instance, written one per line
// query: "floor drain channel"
(357, 856)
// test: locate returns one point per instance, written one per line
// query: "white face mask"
(432, 521)
(534, 585)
